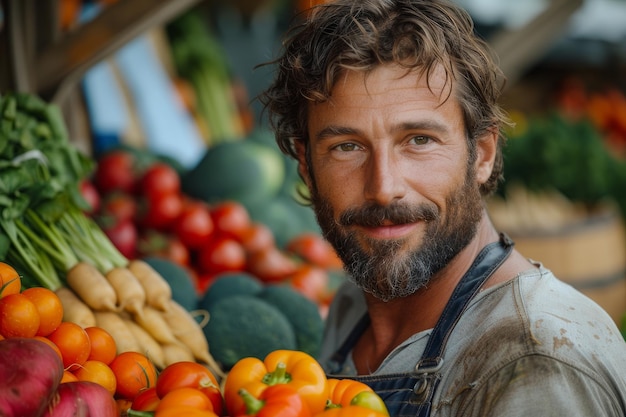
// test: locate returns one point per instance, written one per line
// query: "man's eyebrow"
(334, 130)
(429, 125)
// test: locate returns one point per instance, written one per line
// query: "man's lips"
(389, 230)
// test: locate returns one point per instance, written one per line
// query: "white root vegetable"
(116, 326)
(187, 330)
(154, 323)
(148, 345)
(157, 289)
(131, 296)
(74, 309)
(176, 352)
(92, 287)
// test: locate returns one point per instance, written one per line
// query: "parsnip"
(187, 330)
(148, 345)
(157, 289)
(116, 326)
(176, 352)
(74, 309)
(131, 296)
(154, 323)
(92, 287)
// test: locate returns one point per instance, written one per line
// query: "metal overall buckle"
(427, 371)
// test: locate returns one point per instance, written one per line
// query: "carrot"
(157, 289)
(92, 287)
(130, 293)
(116, 326)
(148, 345)
(74, 309)
(187, 330)
(153, 322)
(176, 352)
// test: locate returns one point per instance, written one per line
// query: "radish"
(30, 372)
(81, 398)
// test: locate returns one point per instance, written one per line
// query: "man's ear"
(303, 167)
(486, 149)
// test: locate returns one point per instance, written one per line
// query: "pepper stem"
(278, 376)
(253, 405)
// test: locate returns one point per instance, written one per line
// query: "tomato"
(10, 280)
(51, 344)
(221, 254)
(184, 410)
(48, 306)
(146, 400)
(123, 234)
(155, 243)
(256, 236)
(190, 375)
(18, 316)
(98, 372)
(160, 211)
(271, 264)
(91, 195)
(115, 171)
(313, 248)
(68, 377)
(119, 205)
(160, 179)
(310, 281)
(103, 346)
(73, 342)
(185, 397)
(194, 226)
(230, 218)
(134, 372)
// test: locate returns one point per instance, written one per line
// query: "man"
(390, 107)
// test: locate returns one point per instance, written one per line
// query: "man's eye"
(420, 140)
(346, 147)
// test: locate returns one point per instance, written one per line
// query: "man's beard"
(382, 269)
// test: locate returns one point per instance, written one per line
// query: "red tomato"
(230, 217)
(311, 281)
(161, 211)
(313, 248)
(119, 205)
(123, 234)
(271, 264)
(146, 400)
(221, 254)
(190, 375)
(257, 236)
(160, 179)
(194, 226)
(154, 243)
(116, 171)
(91, 195)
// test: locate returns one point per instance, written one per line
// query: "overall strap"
(427, 369)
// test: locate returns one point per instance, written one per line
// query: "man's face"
(390, 178)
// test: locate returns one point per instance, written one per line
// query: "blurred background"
(178, 77)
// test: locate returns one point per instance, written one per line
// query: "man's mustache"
(376, 215)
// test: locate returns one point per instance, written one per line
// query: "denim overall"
(411, 394)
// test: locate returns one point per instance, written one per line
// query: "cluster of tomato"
(145, 213)
(87, 354)
(286, 383)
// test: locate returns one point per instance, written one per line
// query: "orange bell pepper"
(351, 411)
(280, 400)
(347, 392)
(292, 367)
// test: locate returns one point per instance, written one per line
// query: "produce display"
(126, 288)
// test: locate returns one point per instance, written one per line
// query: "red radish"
(30, 372)
(81, 398)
